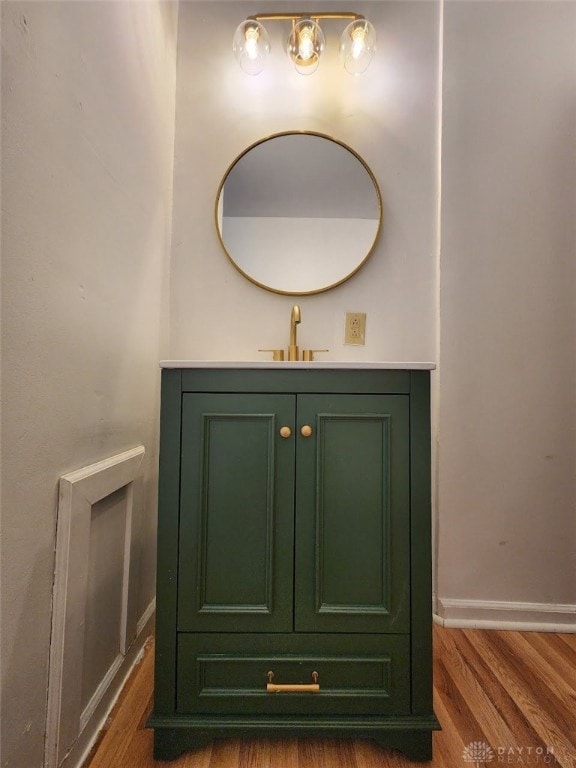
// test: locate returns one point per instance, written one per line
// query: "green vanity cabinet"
(294, 551)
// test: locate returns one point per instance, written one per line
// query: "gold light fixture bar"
(298, 16)
(306, 41)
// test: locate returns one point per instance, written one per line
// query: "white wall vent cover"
(80, 491)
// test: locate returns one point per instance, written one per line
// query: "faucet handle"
(308, 354)
(277, 354)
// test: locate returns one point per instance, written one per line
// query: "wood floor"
(512, 693)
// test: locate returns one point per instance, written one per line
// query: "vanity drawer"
(356, 674)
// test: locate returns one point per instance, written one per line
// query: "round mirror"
(298, 213)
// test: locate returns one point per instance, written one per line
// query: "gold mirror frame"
(323, 288)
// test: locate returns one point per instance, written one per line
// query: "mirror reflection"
(298, 213)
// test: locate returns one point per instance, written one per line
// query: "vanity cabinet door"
(236, 513)
(353, 514)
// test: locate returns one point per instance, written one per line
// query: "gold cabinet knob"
(306, 430)
(285, 431)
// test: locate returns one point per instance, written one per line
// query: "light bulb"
(357, 46)
(251, 45)
(358, 43)
(305, 44)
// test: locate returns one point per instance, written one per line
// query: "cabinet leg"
(416, 746)
(170, 743)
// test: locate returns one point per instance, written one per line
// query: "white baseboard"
(100, 691)
(494, 614)
(98, 717)
(146, 616)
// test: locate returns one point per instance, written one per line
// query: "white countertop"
(377, 365)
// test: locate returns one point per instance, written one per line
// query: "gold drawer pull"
(290, 688)
(306, 430)
(285, 431)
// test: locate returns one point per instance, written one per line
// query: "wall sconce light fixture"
(251, 44)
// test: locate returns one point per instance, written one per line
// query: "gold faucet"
(294, 320)
(293, 349)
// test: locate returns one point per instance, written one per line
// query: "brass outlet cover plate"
(355, 328)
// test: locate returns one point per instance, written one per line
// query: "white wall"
(388, 116)
(507, 487)
(87, 150)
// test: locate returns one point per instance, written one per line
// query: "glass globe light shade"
(305, 45)
(251, 46)
(357, 46)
